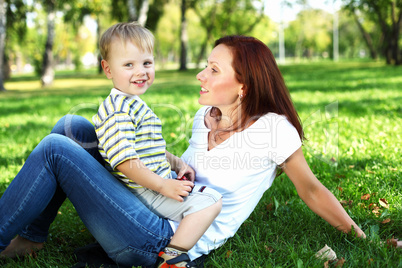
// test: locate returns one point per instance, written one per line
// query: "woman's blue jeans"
(60, 167)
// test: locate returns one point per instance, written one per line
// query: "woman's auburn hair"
(264, 87)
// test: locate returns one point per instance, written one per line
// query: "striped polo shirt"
(127, 128)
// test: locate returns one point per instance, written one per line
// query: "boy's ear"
(106, 69)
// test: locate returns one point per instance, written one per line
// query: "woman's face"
(219, 86)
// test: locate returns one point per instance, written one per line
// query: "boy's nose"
(140, 71)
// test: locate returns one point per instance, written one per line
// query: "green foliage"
(352, 118)
(309, 34)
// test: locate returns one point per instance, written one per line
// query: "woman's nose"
(200, 76)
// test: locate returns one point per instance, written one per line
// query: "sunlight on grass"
(352, 116)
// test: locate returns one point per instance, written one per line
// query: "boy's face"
(131, 70)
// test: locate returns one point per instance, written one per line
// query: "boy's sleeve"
(116, 137)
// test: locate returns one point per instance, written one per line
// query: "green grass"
(351, 112)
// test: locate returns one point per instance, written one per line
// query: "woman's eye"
(213, 69)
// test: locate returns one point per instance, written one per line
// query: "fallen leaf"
(383, 203)
(326, 253)
(270, 249)
(365, 197)
(362, 205)
(346, 203)
(173, 135)
(386, 221)
(370, 261)
(376, 211)
(333, 159)
(340, 262)
(326, 264)
(369, 171)
(351, 166)
(339, 188)
(392, 242)
(228, 253)
(270, 206)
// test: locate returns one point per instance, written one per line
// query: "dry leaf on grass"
(386, 221)
(365, 197)
(392, 242)
(326, 253)
(383, 202)
(340, 262)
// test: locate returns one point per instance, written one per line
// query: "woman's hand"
(317, 197)
(180, 167)
(185, 170)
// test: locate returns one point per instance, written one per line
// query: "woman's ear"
(242, 91)
(106, 69)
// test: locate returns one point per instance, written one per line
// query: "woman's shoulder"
(273, 121)
(202, 111)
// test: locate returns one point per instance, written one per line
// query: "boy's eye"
(129, 65)
(148, 63)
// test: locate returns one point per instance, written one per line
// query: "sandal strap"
(180, 258)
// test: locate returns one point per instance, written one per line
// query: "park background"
(340, 60)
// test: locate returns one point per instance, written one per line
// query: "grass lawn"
(352, 115)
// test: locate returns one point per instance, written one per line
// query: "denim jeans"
(60, 167)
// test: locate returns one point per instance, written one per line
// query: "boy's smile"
(131, 69)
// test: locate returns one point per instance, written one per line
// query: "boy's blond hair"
(126, 31)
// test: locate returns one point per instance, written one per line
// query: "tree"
(183, 36)
(47, 74)
(2, 40)
(221, 17)
(127, 10)
(16, 29)
(309, 34)
(388, 15)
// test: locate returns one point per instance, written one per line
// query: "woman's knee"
(77, 128)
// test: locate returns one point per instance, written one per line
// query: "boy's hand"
(176, 189)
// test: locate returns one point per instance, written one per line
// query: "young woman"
(247, 131)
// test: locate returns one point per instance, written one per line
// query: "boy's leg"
(195, 214)
(193, 226)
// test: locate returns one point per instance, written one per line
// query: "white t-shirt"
(241, 168)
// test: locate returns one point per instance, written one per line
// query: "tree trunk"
(396, 24)
(2, 40)
(391, 38)
(142, 18)
(98, 33)
(366, 37)
(132, 11)
(209, 22)
(183, 37)
(47, 65)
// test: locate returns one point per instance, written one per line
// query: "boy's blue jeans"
(60, 167)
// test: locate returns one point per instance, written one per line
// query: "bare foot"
(19, 247)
